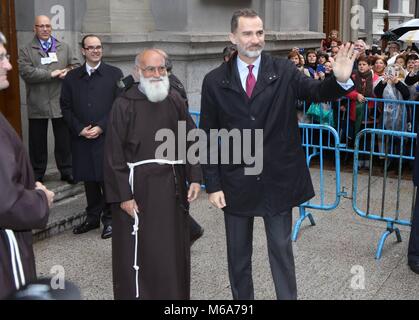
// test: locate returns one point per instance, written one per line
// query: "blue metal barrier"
(373, 117)
(313, 137)
(196, 116)
(383, 215)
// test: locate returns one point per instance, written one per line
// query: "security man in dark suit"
(87, 96)
(413, 249)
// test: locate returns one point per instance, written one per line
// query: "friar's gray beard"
(155, 89)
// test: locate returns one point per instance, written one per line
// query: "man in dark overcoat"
(256, 91)
(88, 93)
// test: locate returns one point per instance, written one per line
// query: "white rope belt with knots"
(131, 167)
(16, 258)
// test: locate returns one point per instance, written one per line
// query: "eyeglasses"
(4, 56)
(43, 26)
(91, 48)
(151, 70)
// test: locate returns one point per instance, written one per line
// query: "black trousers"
(194, 227)
(38, 146)
(96, 204)
(413, 250)
(239, 232)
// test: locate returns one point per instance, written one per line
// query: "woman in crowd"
(379, 66)
(326, 44)
(311, 63)
(396, 116)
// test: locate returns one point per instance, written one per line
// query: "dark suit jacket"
(87, 101)
(285, 180)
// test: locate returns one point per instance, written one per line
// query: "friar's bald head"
(151, 68)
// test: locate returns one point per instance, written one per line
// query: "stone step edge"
(58, 227)
(67, 191)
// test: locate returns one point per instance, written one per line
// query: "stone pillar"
(354, 31)
(399, 13)
(378, 16)
(112, 17)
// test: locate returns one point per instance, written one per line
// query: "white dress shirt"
(90, 69)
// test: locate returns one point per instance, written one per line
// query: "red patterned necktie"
(251, 81)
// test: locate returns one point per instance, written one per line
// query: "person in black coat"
(413, 249)
(256, 91)
(87, 95)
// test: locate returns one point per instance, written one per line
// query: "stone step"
(68, 209)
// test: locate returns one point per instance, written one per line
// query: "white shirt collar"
(89, 68)
(244, 70)
(243, 65)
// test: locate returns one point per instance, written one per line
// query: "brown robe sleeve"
(116, 171)
(21, 208)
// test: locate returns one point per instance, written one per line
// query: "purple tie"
(251, 81)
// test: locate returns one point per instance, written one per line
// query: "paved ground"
(329, 257)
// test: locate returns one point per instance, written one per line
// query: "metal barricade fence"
(195, 116)
(372, 204)
(317, 140)
(384, 114)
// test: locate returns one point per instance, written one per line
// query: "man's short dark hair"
(85, 37)
(247, 13)
(3, 40)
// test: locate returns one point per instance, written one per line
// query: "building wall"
(193, 32)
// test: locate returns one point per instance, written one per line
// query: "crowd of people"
(389, 74)
(112, 135)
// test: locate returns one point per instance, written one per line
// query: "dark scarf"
(364, 83)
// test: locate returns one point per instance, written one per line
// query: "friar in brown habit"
(24, 205)
(149, 197)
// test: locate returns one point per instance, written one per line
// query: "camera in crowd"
(375, 50)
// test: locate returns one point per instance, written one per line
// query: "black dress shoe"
(414, 266)
(85, 227)
(197, 236)
(68, 178)
(107, 232)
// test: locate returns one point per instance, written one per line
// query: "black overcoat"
(285, 179)
(87, 100)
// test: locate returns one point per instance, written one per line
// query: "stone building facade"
(194, 32)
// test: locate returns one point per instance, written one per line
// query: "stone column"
(378, 16)
(399, 13)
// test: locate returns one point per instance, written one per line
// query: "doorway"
(10, 98)
(331, 16)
